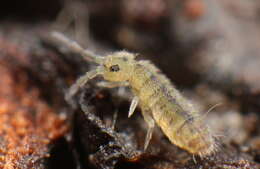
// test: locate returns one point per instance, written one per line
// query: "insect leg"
(112, 84)
(81, 82)
(114, 120)
(150, 122)
(133, 106)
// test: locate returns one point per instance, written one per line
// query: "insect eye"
(114, 68)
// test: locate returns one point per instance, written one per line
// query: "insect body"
(160, 102)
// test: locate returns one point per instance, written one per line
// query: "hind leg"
(150, 122)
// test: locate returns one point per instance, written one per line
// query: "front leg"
(112, 84)
(80, 83)
(133, 106)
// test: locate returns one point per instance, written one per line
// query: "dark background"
(209, 49)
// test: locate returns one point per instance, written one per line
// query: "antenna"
(75, 47)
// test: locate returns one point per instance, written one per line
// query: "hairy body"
(171, 111)
(160, 101)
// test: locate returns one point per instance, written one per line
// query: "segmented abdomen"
(176, 117)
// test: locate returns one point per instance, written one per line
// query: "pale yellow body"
(176, 117)
(154, 93)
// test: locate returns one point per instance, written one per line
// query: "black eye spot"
(114, 68)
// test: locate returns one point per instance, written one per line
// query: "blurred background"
(209, 49)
